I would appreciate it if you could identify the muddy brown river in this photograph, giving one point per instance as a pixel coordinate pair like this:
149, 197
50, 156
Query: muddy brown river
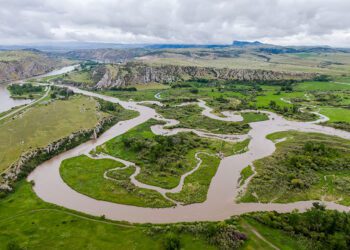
220, 203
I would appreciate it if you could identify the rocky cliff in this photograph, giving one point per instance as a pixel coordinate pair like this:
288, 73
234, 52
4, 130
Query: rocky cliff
29, 160
123, 75
16, 65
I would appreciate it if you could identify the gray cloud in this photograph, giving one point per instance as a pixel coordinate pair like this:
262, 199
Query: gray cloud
176, 21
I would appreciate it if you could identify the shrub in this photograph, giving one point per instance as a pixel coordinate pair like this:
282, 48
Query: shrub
172, 242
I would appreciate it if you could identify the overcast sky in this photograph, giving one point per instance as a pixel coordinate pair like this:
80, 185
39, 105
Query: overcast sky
286, 22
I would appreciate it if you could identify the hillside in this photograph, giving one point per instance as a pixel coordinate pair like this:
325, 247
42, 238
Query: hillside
122, 75
20, 64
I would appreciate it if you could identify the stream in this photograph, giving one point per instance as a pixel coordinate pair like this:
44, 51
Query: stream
220, 203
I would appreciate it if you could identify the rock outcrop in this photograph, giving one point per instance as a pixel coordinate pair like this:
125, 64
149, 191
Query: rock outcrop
29, 160
123, 75
17, 65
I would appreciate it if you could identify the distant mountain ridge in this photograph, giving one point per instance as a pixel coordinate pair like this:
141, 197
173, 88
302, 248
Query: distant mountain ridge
246, 43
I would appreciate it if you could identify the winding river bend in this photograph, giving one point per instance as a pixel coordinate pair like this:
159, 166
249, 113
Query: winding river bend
219, 205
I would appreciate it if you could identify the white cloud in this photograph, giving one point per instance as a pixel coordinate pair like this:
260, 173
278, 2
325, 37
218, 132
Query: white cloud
176, 21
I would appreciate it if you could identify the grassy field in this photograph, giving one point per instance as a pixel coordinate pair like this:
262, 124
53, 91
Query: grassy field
264, 100
142, 95
43, 124
85, 175
336, 114
321, 86
269, 237
79, 77
152, 86
29, 223
306, 166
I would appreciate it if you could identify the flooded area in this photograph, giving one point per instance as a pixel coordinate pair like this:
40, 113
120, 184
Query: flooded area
223, 190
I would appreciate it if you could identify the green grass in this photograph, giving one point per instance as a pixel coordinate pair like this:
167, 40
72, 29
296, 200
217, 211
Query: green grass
196, 185
31, 223
321, 86
245, 174
264, 100
163, 159
79, 77
336, 114
254, 117
294, 173
85, 175
157, 86
190, 117
43, 124
171, 161
276, 237
142, 95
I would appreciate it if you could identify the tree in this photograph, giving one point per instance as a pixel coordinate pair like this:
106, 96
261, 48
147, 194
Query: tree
272, 104
194, 91
172, 242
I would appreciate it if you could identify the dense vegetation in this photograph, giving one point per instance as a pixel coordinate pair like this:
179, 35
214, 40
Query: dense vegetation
326, 229
163, 159
29, 89
304, 167
190, 117
123, 89
60, 93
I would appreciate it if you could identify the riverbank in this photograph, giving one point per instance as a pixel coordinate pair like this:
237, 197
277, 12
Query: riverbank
222, 190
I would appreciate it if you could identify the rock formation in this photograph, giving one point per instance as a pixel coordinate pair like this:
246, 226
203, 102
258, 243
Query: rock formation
123, 75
